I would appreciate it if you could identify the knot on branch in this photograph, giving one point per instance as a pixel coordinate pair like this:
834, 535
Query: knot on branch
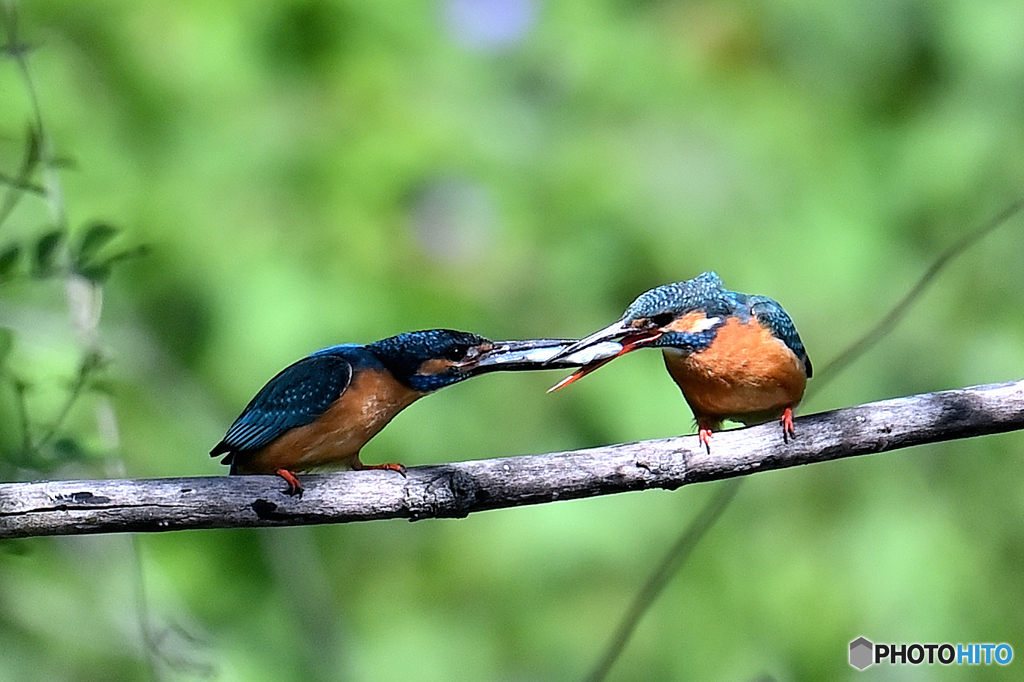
448, 493
81, 498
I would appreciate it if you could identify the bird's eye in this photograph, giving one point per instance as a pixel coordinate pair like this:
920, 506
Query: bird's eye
661, 319
456, 353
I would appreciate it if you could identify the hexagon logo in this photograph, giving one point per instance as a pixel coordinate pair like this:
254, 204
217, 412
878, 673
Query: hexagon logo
861, 653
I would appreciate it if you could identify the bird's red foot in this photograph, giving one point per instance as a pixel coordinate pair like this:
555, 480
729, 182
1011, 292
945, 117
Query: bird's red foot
704, 434
294, 487
787, 425
389, 466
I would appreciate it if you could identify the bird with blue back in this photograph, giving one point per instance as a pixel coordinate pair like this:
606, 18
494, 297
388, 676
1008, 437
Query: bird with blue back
734, 356
320, 411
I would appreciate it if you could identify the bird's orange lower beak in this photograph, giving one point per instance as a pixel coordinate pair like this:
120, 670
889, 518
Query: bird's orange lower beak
630, 342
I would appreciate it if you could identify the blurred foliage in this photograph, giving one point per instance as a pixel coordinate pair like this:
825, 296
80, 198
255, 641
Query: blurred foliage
310, 172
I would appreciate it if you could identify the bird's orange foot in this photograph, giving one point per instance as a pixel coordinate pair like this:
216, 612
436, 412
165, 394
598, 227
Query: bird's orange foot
704, 434
294, 487
390, 466
787, 425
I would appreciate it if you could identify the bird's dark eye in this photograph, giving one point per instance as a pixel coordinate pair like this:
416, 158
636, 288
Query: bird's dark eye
662, 319
456, 353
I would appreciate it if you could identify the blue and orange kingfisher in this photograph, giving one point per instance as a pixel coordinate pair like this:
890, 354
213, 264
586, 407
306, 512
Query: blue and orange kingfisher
734, 356
321, 410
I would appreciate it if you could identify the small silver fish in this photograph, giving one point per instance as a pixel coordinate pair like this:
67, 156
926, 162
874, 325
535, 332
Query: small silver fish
537, 354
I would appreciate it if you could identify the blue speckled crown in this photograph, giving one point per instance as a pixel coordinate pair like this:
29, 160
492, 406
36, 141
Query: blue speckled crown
678, 297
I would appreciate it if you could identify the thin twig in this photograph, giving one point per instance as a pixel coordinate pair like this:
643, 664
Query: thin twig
20, 389
21, 184
886, 324
90, 362
17, 51
671, 563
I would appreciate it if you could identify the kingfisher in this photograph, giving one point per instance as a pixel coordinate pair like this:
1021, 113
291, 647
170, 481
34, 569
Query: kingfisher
734, 356
321, 410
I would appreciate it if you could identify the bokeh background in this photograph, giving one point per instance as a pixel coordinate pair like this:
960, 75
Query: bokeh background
311, 172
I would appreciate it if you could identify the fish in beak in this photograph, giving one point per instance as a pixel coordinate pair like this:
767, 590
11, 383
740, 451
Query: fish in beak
632, 337
532, 354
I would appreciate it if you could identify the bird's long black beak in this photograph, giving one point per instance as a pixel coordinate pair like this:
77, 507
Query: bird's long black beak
612, 331
532, 354
630, 338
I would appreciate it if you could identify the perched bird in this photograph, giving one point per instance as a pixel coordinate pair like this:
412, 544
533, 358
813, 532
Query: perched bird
322, 409
734, 356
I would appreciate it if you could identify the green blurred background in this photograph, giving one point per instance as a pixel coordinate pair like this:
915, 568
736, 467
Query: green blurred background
309, 173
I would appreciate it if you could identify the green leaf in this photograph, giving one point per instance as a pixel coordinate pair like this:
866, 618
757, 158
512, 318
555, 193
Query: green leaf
47, 249
9, 258
6, 343
68, 449
95, 238
33, 151
99, 270
97, 273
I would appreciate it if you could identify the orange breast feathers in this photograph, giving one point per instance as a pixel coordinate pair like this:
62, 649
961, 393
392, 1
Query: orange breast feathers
745, 375
335, 438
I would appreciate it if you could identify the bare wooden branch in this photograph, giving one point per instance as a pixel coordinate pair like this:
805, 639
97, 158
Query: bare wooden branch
455, 490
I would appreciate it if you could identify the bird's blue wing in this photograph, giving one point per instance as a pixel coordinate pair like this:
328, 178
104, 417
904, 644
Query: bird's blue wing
295, 397
771, 315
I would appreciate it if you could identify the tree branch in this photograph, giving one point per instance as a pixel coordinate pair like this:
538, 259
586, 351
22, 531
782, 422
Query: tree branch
457, 489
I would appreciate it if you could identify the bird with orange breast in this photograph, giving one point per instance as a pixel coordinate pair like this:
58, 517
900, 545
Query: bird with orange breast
321, 410
734, 356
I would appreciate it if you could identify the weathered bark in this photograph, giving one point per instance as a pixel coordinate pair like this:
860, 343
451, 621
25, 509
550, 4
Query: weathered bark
455, 490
